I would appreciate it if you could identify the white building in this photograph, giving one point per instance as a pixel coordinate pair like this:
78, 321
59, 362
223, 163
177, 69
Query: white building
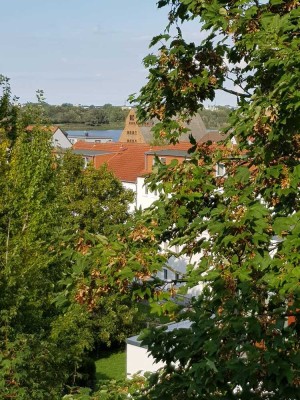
88, 137
138, 358
60, 138
131, 163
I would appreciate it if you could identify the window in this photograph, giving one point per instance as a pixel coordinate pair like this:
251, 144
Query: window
220, 169
86, 161
131, 117
165, 271
177, 276
163, 160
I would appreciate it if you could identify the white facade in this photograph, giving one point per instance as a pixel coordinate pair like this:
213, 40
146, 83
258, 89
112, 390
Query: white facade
89, 139
139, 359
59, 139
176, 267
131, 186
144, 196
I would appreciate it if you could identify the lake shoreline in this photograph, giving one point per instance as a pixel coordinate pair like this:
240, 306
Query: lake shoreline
82, 127
113, 134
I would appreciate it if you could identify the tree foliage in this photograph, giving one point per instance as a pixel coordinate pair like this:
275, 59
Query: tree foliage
51, 212
244, 338
81, 115
96, 199
216, 117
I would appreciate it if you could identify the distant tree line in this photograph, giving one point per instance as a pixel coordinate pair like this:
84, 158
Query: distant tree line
216, 118
67, 113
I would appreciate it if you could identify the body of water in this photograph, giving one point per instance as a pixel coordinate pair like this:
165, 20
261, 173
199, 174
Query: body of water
113, 133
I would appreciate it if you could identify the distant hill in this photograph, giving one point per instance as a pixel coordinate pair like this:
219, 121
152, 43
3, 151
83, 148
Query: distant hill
79, 116
71, 116
215, 118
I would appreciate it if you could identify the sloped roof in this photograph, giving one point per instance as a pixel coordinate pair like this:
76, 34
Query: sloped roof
49, 128
46, 128
87, 152
169, 152
126, 160
196, 128
213, 136
125, 164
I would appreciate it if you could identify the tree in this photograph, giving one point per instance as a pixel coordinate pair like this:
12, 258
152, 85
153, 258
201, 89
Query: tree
29, 269
8, 110
96, 211
49, 220
216, 118
70, 114
95, 198
244, 338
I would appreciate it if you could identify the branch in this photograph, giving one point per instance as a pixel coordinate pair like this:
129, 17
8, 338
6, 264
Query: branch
237, 84
245, 95
7, 243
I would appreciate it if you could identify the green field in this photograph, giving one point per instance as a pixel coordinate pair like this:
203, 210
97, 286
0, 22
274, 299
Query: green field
111, 366
83, 127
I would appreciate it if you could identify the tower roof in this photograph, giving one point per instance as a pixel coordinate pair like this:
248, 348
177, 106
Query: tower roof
143, 133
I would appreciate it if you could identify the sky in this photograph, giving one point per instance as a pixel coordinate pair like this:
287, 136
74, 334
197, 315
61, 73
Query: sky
80, 51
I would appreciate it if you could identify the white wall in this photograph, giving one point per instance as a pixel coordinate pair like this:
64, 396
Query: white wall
175, 264
131, 186
74, 139
144, 197
139, 361
59, 139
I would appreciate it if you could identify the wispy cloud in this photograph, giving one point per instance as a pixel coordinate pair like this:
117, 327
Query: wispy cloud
142, 38
100, 30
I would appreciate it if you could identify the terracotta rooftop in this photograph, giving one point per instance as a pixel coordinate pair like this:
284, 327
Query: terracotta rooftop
48, 128
213, 136
126, 160
195, 127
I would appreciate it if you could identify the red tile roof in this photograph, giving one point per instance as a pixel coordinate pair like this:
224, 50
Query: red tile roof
126, 160
48, 128
117, 146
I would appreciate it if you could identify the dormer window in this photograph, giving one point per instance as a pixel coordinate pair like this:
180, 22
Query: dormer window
165, 272
220, 169
163, 160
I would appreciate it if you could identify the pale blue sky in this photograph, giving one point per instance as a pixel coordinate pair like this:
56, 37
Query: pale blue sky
79, 51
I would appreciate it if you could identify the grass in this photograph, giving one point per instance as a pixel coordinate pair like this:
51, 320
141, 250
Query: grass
112, 365
83, 127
